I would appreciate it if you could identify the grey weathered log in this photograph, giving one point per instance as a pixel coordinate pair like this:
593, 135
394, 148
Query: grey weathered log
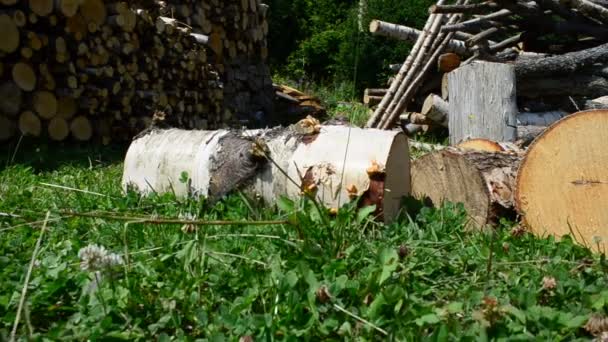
539, 119
590, 9
482, 102
382, 28
599, 103
568, 63
476, 22
584, 84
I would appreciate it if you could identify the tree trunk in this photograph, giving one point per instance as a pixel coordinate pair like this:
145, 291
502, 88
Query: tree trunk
335, 164
482, 102
562, 185
483, 181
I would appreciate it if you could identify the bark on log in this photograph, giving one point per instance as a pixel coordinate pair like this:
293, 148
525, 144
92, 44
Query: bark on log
566, 192
218, 162
539, 119
568, 63
582, 84
482, 181
482, 102
599, 103
382, 28
589, 9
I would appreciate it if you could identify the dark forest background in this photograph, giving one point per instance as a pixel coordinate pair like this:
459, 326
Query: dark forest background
318, 42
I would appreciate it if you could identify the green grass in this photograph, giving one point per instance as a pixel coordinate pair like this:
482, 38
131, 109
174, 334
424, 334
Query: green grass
321, 277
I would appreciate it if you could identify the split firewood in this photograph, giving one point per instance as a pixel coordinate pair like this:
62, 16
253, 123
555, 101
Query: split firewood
373, 176
565, 193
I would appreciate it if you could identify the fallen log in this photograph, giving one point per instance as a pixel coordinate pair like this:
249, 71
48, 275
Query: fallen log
334, 163
568, 63
576, 84
562, 187
382, 28
482, 181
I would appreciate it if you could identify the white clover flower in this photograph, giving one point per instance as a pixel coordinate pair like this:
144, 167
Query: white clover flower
92, 257
95, 258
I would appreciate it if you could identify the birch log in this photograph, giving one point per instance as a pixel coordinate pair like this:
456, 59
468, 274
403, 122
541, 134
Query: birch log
382, 28
562, 184
482, 181
482, 102
337, 162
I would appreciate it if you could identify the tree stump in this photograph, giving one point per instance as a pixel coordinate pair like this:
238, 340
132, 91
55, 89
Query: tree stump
562, 184
482, 181
482, 102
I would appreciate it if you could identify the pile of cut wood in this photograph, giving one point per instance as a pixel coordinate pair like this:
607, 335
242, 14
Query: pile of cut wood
94, 68
502, 78
558, 50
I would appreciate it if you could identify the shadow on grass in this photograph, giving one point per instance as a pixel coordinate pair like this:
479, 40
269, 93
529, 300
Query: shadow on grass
48, 156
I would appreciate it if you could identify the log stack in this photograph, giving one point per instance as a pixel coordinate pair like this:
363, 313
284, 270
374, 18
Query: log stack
99, 69
237, 31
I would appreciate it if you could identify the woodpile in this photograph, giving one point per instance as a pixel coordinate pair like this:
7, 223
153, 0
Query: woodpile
236, 31
557, 49
109, 69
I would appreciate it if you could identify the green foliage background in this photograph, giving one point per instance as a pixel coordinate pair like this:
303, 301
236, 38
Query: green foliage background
319, 40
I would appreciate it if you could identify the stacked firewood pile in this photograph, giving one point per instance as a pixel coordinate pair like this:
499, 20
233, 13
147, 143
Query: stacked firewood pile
236, 31
88, 68
557, 48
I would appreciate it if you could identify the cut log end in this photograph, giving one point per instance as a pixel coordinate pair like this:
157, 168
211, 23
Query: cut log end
29, 124
562, 186
10, 34
45, 104
58, 129
482, 181
81, 128
24, 76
